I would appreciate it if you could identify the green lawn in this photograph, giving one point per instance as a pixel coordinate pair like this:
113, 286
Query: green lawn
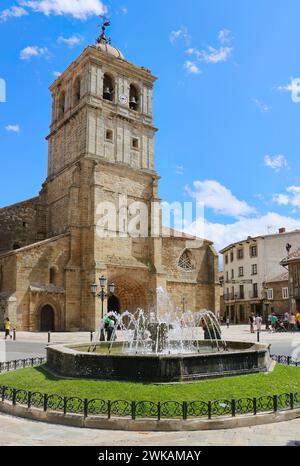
282, 380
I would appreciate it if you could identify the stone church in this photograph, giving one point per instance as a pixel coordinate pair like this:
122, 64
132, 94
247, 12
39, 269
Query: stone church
101, 147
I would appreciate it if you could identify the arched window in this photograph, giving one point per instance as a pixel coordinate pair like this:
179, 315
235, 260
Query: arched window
108, 88
76, 91
134, 98
186, 261
52, 276
61, 104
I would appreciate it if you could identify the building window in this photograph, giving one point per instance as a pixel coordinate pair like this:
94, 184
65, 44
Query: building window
227, 277
232, 273
240, 253
52, 276
135, 143
241, 271
226, 259
254, 269
255, 290
231, 257
253, 251
61, 105
270, 294
76, 91
108, 88
242, 292
109, 135
134, 98
186, 262
285, 293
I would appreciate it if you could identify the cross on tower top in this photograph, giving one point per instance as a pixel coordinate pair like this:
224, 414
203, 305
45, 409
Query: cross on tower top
102, 39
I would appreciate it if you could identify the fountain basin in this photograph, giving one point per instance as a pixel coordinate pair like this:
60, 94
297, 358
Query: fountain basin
240, 358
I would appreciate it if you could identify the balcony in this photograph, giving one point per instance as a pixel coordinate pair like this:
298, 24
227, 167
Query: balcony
234, 296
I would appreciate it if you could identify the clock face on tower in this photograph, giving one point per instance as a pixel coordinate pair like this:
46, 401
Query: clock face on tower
123, 99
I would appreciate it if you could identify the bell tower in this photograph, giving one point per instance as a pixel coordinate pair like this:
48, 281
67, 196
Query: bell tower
102, 109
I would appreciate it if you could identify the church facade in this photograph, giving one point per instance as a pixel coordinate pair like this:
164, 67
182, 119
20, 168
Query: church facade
101, 153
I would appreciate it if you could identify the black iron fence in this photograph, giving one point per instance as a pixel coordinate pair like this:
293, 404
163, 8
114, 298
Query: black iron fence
146, 409
287, 360
149, 409
21, 364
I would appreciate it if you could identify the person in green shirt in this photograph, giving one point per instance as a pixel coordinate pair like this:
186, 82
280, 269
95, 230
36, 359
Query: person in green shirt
274, 322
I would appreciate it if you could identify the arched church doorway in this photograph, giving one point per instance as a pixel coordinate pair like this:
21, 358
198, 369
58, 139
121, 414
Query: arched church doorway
113, 304
47, 319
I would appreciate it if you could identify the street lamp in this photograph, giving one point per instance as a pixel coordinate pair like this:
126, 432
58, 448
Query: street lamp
103, 295
236, 297
183, 302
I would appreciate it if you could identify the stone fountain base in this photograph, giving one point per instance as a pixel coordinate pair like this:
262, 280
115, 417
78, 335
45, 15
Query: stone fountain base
76, 362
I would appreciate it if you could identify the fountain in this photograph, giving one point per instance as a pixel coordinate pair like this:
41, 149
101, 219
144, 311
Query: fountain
160, 347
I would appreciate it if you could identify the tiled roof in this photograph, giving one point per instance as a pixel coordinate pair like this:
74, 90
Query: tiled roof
283, 277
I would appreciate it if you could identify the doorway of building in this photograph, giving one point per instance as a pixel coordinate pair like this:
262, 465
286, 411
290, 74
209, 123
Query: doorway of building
47, 319
113, 304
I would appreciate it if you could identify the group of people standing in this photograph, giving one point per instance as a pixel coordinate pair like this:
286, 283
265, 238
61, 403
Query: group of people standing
255, 322
107, 327
289, 322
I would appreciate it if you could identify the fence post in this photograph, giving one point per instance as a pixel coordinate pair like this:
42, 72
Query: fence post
91, 337
0, 367
209, 409
49, 337
24, 363
184, 410
14, 396
29, 400
292, 400
288, 360
233, 408
159, 411
65, 404
32, 362
86, 407
15, 364
275, 403
133, 410
3, 390
108, 409
254, 406
14, 334
45, 402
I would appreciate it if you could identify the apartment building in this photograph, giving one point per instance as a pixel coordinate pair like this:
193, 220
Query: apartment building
249, 268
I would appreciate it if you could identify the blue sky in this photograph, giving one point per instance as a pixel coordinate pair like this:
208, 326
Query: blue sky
226, 101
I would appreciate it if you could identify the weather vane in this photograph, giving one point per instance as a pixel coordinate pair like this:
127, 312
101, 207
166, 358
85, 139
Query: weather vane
102, 39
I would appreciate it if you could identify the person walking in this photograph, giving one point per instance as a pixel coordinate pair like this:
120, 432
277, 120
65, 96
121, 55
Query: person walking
268, 326
298, 320
251, 322
7, 328
274, 322
258, 323
286, 317
227, 322
292, 322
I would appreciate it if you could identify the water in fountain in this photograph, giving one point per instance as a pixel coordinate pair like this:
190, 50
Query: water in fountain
169, 333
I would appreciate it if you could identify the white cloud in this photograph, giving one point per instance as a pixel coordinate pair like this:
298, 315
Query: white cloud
213, 55
179, 170
276, 163
124, 10
214, 195
70, 41
291, 197
13, 128
225, 234
12, 12
33, 51
192, 67
57, 74
79, 9
224, 36
294, 88
181, 33
264, 108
